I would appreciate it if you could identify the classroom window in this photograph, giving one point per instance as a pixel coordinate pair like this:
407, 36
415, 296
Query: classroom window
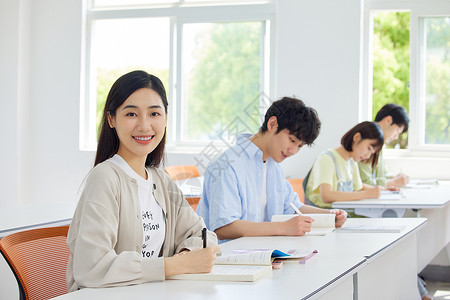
214, 61
390, 44
124, 45
408, 64
221, 77
435, 79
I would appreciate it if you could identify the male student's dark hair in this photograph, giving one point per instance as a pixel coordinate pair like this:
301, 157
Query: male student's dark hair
292, 114
398, 114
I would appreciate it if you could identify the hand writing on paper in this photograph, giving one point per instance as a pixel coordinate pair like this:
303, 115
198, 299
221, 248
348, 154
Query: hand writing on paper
341, 217
200, 260
298, 225
400, 180
373, 193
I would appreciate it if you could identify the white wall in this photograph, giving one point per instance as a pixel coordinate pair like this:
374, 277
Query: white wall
318, 58
9, 81
40, 83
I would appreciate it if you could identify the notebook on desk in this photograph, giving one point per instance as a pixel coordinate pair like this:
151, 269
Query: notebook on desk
228, 273
390, 195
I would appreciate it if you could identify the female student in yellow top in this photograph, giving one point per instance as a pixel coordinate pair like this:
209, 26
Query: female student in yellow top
335, 175
132, 224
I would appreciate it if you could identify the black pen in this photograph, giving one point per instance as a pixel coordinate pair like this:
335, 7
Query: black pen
204, 237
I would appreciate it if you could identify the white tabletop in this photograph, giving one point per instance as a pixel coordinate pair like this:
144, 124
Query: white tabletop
377, 243
340, 256
435, 197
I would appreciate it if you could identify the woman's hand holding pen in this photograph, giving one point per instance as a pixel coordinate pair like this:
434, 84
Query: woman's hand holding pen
200, 260
298, 225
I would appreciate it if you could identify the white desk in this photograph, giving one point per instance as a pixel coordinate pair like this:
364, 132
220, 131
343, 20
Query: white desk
391, 267
433, 204
432, 198
344, 265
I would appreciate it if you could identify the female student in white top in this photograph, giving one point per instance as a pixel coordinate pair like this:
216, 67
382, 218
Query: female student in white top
335, 175
132, 224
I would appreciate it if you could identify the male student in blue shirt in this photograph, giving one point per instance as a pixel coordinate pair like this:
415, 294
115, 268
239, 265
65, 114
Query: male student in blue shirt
245, 185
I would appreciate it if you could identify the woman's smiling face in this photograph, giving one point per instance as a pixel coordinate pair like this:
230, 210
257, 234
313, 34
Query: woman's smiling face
140, 124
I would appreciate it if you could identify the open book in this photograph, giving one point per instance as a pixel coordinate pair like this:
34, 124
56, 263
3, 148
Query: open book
264, 257
247, 265
323, 223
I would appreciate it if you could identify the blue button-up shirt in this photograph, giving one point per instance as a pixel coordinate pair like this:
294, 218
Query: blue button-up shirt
233, 185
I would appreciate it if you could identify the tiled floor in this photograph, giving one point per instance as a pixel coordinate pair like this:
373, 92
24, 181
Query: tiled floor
438, 290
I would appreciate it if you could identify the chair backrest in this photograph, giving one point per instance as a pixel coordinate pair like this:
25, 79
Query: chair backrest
193, 202
296, 184
38, 259
182, 172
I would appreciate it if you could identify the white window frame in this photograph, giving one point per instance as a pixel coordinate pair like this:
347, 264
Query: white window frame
179, 14
418, 9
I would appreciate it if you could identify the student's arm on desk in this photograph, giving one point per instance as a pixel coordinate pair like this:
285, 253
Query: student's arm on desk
398, 181
330, 196
239, 228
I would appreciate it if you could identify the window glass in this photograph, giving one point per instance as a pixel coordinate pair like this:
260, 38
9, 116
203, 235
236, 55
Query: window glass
222, 67
391, 52
437, 80
123, 3
123, 45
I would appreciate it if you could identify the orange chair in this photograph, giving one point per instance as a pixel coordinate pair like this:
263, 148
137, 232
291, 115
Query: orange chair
193, 202
296, 184
182, 172
38, 259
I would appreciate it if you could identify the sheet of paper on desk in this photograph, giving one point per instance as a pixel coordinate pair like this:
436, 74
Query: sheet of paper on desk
422, 183
417, 186
390, 195
432, 181
372, 228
